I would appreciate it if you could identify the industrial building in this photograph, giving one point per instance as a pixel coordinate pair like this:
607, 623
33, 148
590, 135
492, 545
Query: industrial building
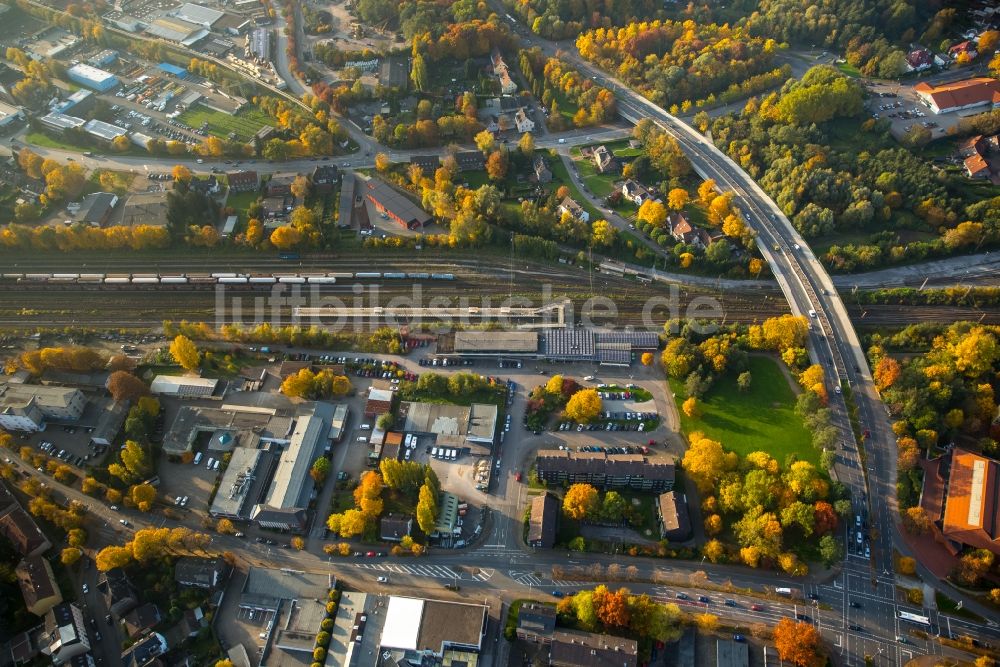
9, 115
200, 572
415, 628
461, 426
96, 208
92, 77
60, 122
287, 500
395, 205
608, 348
242, 484
961, 496
603, 470
295, 603
536, 622
145, 208
959, 95
26, 407
79, 103
183, 385
198, 15
233, 427
177, 30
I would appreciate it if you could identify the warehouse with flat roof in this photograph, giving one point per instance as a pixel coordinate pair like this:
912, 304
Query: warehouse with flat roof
92, 77
291, 489
433, 627
177, 30
183, 385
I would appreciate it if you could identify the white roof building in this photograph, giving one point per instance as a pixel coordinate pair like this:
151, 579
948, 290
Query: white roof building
183, 385
199, 14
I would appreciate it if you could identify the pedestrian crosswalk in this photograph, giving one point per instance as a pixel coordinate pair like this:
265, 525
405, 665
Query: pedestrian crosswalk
430, 571
533, 579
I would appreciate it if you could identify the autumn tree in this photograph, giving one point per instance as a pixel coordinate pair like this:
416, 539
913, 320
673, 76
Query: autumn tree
181, 173
798, 643
185, 353
496, 165
485, 142
705, 461
526, 144
382, 162
584, 406
320, 469
581, 502
691, 408
677, 199
973, 566
70, 555
124, 386
653, 213
647, 358
886, 372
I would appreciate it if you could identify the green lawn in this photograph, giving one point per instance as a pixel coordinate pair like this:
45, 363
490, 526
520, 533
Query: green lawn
241, 202
762, 419
849, 70
600, 184
46, 141
245, 124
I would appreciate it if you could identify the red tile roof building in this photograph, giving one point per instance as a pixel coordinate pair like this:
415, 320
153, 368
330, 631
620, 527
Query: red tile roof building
960, 95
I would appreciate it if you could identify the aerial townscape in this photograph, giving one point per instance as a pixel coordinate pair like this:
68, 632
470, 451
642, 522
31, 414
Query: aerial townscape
500, 333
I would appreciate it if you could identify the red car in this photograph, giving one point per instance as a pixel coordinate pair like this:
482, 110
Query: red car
371, 554
756, 607
518, 476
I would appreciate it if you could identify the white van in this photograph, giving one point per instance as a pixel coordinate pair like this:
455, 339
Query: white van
197, 458
366, 427
454, 454
215, 466
362, 438
434, 452
208, 466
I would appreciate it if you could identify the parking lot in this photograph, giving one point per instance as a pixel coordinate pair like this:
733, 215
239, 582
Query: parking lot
901, 106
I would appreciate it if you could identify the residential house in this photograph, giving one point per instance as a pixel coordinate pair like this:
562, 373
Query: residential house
277, 207
672, 511
324, 178
682, 230
976, 145
38, 585
635, 192
394, 527
243, 181
600, 469
977, 167
22, 532
208, 186
604, 161
571, 648
542, 173
542, 523
379, 402
427, 163
507, 85
145, 653
192, 622
536, 622
140, 619
522, 122
492, 124
573, 208
119, 595
64, 634
965, 48
280, 185
470, 160
919, 59
200, 572
505, 122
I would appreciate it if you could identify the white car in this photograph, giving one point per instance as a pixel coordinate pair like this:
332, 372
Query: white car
382, 580
85, 589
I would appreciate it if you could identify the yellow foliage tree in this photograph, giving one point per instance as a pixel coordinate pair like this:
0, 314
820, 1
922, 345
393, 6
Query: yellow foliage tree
690, 407
185, 353
580, 502
678, 198
584, 406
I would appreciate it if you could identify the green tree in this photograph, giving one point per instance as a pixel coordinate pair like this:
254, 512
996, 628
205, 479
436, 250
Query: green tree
320, 469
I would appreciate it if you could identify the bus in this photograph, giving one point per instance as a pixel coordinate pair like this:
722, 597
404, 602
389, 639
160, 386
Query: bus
914, 618
783, 591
